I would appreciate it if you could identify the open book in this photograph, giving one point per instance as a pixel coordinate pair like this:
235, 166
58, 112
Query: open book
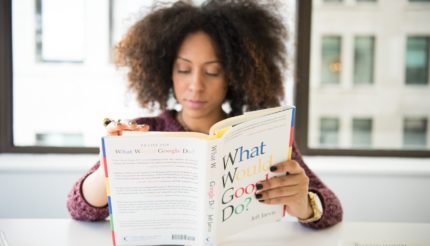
186, 188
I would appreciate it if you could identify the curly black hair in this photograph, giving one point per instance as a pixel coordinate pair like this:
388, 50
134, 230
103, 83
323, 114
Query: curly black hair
250, 43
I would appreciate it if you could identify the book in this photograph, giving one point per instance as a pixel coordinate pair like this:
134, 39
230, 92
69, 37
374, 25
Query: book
188, 188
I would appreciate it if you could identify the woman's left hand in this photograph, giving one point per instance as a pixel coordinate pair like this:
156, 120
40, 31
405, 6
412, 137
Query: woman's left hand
290, 189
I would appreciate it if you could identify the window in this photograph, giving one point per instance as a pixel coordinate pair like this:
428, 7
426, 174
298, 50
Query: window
361, 54
330, 60
31, 116
415, 133
58, 65
51, 19
364, 49
64, 81
329, 132
417, 60
362, 132
58, 82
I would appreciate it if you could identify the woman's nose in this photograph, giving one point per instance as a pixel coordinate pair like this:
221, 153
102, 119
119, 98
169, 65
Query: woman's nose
197, 82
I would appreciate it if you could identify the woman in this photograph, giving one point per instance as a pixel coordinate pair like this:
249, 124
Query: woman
221, 52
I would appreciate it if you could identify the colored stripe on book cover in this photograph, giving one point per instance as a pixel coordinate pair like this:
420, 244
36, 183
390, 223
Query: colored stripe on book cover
113, 238
293, 117
107, 187
218, 134
291, 137
109, 205
111, 220
290, 146
111, 223
103, 159
290, 149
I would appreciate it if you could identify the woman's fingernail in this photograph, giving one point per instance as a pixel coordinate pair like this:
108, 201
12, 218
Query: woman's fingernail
259, 186
258, 196
132, 123
287, 173
106, 121
273, 168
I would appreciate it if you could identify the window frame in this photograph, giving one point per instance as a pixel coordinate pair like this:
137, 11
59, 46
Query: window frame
303, 55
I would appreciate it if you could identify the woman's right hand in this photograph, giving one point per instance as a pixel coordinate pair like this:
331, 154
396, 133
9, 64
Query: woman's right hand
116, 128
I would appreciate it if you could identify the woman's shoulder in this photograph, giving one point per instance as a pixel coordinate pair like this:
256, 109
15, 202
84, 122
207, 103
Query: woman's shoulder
165, 121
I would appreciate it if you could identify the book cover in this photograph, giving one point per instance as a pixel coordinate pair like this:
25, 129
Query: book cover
187, 188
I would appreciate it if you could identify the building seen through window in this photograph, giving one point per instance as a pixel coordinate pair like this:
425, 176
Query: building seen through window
329, 132
53, 17
417, 59
330, 59
364, 50
414, 133
361, 133
369, 75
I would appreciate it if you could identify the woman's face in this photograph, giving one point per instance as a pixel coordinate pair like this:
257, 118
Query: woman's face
198, 77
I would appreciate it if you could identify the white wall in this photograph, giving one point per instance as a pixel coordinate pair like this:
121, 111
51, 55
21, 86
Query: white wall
371, 189
36, 186
378, 189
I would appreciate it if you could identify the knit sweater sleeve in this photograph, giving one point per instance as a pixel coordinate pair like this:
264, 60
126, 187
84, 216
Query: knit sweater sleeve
79, 208
332, 209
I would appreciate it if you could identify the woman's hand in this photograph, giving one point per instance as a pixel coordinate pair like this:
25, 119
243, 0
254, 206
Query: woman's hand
116, 128
94, 186
290, 189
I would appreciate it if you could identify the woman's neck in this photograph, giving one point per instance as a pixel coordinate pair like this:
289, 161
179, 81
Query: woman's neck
200, 124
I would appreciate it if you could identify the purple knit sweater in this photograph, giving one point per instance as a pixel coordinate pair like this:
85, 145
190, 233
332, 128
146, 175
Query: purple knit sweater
79, 208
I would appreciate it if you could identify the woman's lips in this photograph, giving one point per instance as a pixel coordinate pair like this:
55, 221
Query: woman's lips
195, 104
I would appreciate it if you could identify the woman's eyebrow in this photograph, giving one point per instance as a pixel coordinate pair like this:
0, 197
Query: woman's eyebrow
187, 60
210, 62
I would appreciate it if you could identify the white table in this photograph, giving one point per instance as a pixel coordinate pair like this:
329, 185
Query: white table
44, 232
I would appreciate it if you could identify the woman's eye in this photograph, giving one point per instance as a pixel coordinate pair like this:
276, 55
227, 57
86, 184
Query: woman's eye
183, 71
212, 73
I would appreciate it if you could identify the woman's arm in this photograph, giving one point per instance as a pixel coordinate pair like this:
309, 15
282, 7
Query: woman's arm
332, 209
94, 188
95, 208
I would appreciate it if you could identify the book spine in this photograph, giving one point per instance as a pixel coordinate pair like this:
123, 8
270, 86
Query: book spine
104, 163
209, 237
